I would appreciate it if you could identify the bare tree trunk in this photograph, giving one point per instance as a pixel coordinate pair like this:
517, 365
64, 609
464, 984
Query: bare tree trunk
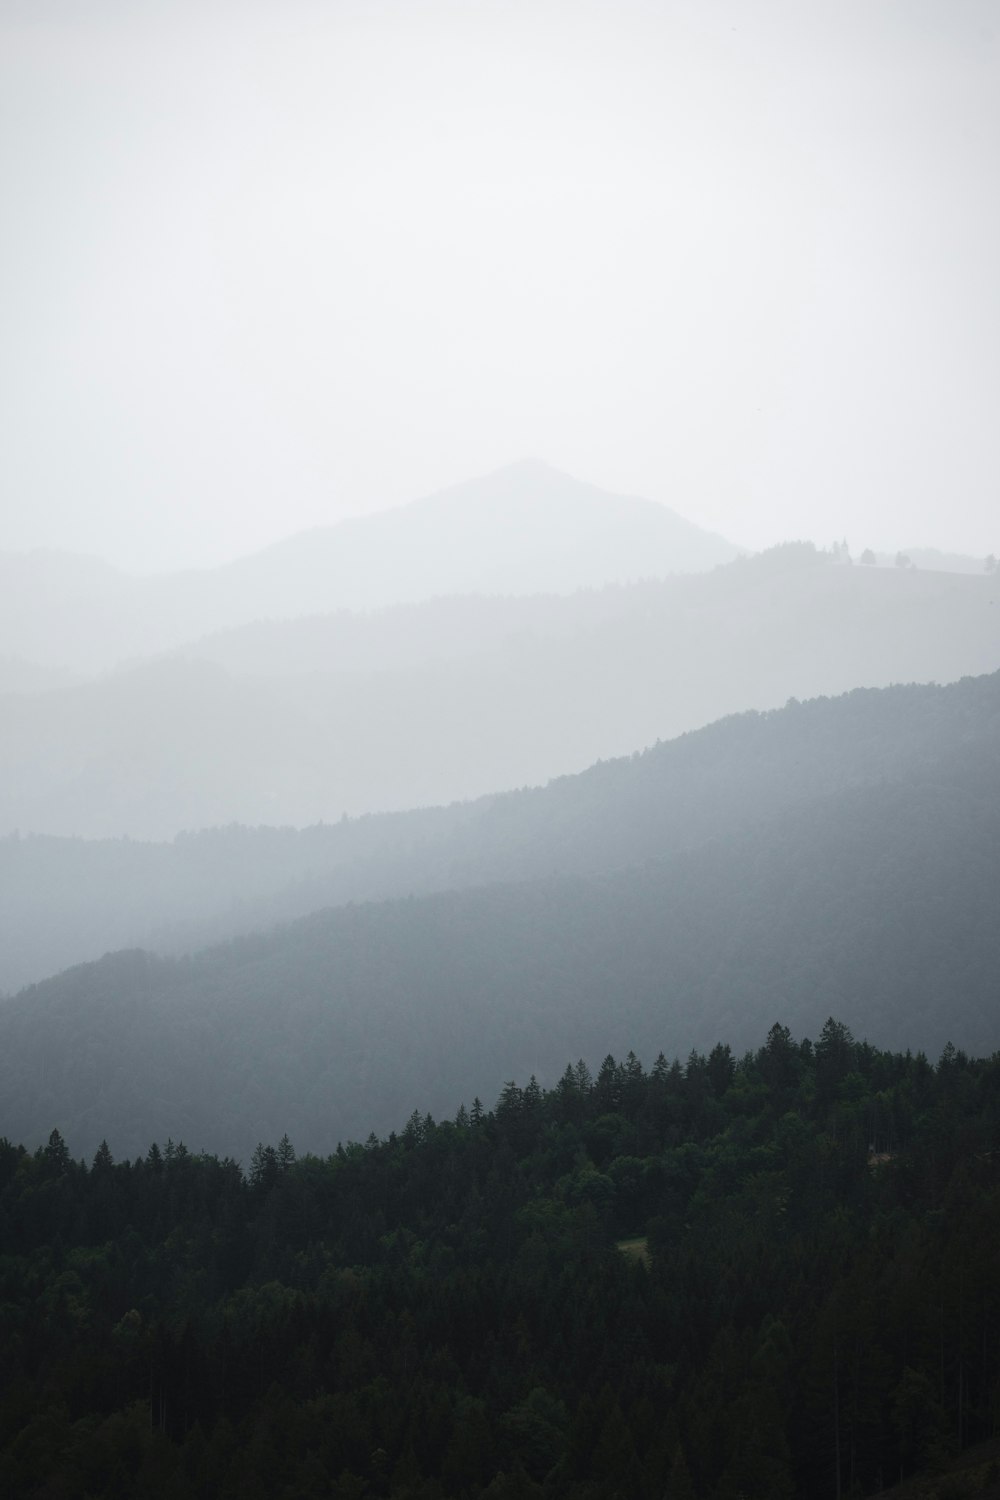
836, 1414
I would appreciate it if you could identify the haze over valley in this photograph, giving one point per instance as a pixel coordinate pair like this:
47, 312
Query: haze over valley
601, 756
301, 760
834, 857
525, 529
297, 721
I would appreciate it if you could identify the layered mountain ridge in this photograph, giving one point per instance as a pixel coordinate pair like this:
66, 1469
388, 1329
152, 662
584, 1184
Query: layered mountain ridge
525, 529
298, 722
69, 900
867, 890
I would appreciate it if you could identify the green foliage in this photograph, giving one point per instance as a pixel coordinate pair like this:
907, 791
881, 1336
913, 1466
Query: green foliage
445, 1313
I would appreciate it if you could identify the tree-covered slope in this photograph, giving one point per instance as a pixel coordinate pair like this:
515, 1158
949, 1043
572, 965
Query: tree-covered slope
763, 1276
878, 904
62, 901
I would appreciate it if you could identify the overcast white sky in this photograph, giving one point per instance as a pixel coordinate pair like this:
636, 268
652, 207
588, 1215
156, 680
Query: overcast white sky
262, 266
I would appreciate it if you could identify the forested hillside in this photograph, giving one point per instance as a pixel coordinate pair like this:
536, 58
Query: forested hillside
200, 740
767, 1276
878, 903
63, 901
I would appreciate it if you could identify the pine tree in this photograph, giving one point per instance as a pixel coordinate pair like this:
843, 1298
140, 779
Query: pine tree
56, 1153
103, 1160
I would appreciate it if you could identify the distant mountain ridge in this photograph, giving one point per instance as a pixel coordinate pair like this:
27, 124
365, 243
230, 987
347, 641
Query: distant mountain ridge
873, 899
526, 529
67, 900
300, 722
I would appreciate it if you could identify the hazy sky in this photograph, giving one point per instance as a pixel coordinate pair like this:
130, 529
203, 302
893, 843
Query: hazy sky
262, 266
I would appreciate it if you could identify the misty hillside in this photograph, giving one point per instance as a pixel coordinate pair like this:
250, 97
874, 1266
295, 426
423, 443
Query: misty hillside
192, 742
526, 529
684, 609
406, 636
938, 560
877, 904
65, 900
20, 676
866, 887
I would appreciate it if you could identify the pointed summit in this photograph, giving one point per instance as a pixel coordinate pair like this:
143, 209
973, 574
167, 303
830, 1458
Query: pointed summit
524, 529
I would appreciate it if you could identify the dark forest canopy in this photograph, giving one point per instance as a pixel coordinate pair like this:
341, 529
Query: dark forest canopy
804, 1301
66, 900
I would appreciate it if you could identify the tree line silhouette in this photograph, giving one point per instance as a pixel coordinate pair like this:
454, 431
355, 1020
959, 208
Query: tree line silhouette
763, 1275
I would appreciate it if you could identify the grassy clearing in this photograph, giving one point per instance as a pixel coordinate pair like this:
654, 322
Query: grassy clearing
638, 1249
